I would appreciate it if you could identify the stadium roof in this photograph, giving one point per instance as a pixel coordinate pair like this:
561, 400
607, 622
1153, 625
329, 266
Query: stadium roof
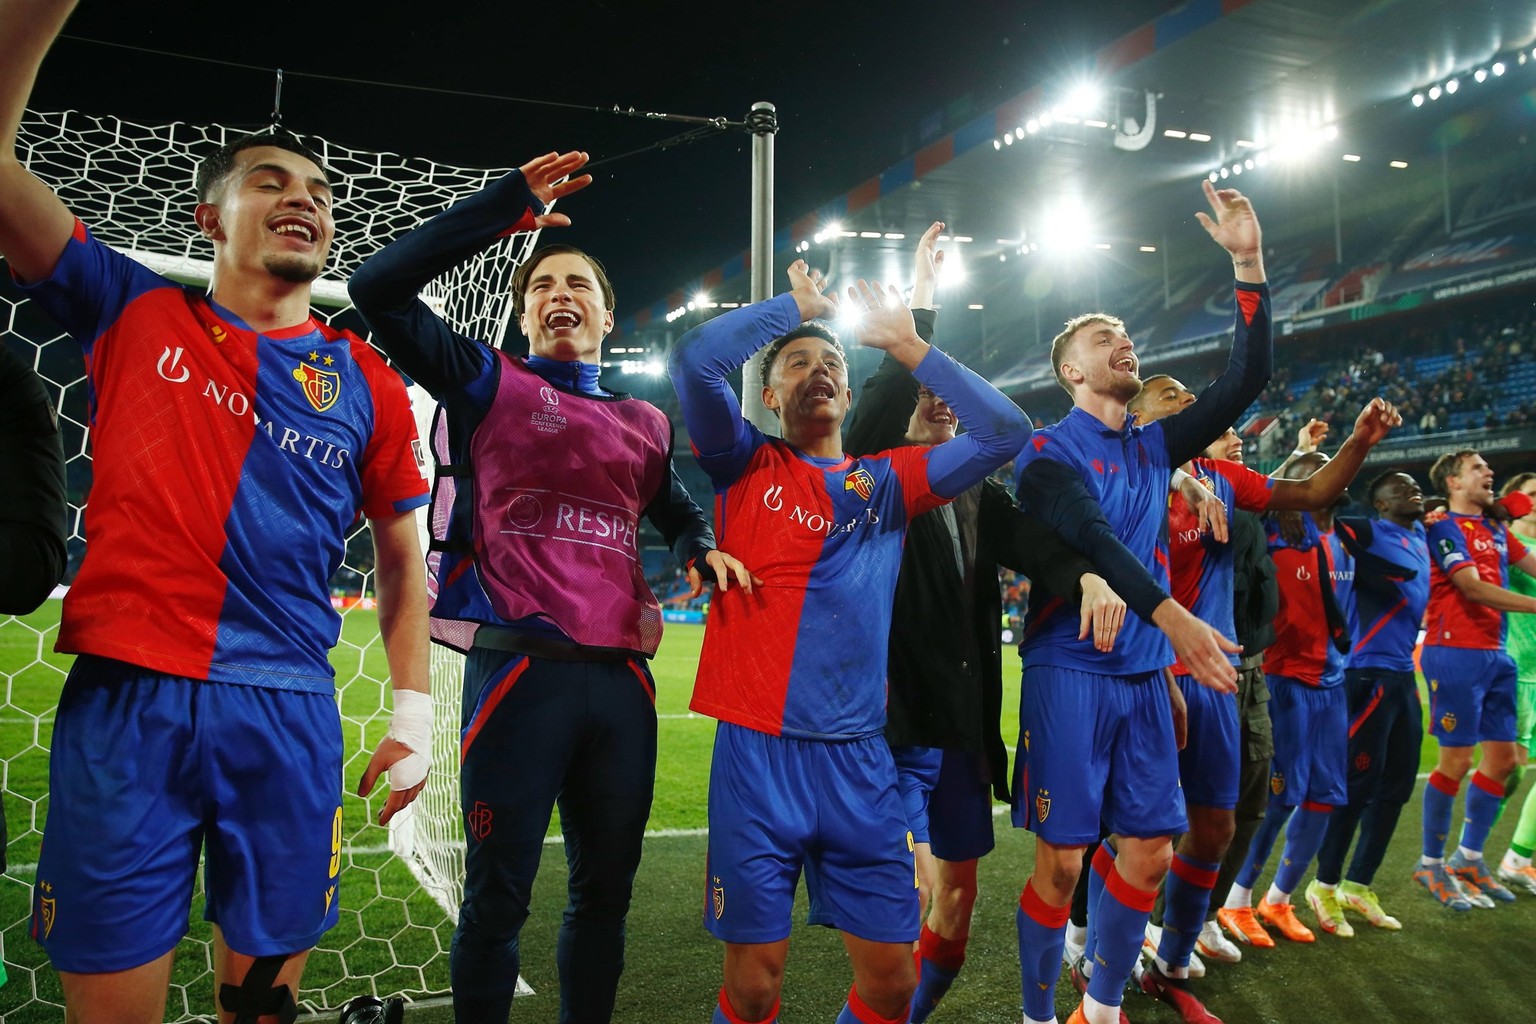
1278, 89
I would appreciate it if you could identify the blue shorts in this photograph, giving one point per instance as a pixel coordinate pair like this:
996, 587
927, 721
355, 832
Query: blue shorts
1096, 747
960, 808
1311, 743
1209, 765
778, 805
1471, 695
146, 771
917, 772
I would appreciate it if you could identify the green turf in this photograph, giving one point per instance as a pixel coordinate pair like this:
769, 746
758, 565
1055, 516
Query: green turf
672, 964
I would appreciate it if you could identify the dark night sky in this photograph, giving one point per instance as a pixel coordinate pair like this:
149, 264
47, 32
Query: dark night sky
857, 87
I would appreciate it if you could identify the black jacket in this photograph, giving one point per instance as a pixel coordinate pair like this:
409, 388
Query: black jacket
946, 666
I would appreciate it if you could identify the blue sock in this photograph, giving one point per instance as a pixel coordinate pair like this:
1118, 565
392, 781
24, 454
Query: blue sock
1098, 870
1263, 844
1439, 795
938, 964
1302, 840
1186, 898
1042, 935
1484, 798
1123, 912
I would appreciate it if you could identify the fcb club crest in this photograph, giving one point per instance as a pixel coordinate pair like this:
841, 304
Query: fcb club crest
717, 896
1277, 783
861, 483
1448, 721
1042, 804
479, 821
47, 909
320, 387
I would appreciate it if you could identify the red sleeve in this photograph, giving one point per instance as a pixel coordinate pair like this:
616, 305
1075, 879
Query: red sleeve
394, 466
1250, 487
910, 463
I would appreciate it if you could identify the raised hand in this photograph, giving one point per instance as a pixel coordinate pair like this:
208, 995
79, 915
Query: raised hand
1235, 227
1376, 420
808, 288
1310, 436
926, 264
548, 177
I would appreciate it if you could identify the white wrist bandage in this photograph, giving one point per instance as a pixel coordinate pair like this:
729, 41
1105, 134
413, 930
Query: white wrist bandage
411, 724
1177, 480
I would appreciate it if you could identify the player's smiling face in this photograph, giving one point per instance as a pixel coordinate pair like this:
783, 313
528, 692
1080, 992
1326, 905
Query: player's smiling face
1105, 358
272, 214
1401, 496
1227, 448
808, 383
933, 421
564, 315
1473, 482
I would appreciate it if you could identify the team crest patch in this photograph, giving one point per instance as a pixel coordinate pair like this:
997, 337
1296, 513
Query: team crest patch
1042, 805
47, 913
860, 482
717, 897
320, 387
1362, 761
478, 821
1277, 783
1448, 722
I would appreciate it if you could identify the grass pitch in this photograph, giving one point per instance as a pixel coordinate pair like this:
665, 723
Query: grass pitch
1474, 966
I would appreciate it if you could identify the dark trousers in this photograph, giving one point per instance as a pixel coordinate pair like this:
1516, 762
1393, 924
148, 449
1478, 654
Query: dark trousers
539, 733
1257, 746
1386, 730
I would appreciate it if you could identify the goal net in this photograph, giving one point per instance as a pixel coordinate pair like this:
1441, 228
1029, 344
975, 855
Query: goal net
400, 887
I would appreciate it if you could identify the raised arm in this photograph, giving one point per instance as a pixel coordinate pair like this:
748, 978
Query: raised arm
996, 428
1319, 490
34, 224
1236, 229
386, 288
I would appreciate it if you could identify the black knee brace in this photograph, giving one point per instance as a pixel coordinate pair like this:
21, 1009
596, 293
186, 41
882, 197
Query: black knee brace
258, 996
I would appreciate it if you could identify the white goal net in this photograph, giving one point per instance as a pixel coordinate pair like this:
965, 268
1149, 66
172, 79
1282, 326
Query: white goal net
132, 184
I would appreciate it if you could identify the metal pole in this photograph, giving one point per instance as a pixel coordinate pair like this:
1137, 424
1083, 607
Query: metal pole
1445, 185
1167, 287
763, 123
1338, 226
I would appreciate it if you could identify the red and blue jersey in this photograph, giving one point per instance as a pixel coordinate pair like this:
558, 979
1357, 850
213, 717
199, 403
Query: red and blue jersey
1391, 590
227, 468
1310, 623
1457, 543
804, 654
1202, 568
1341, 571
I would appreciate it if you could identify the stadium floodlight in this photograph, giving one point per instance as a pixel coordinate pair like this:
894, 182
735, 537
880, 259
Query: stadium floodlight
895, 236
1214, 176
1262, 159
834, 228
848, 234
1147, 248
1237, 168
1247, 144
1045, 119
1248, 164
1331, 132
1083, 98
1008, 138
1064, 225
654, 368
869, 234
1451, 86
1434, 92
1199, 137
1224, 172
1353, 158
1174, 133
997, 143
1018, 132
1093, 122
700, 301
1032, 125
1418, 99
1480, 76
975, 305
1399, 164
964, 238
1498, 68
